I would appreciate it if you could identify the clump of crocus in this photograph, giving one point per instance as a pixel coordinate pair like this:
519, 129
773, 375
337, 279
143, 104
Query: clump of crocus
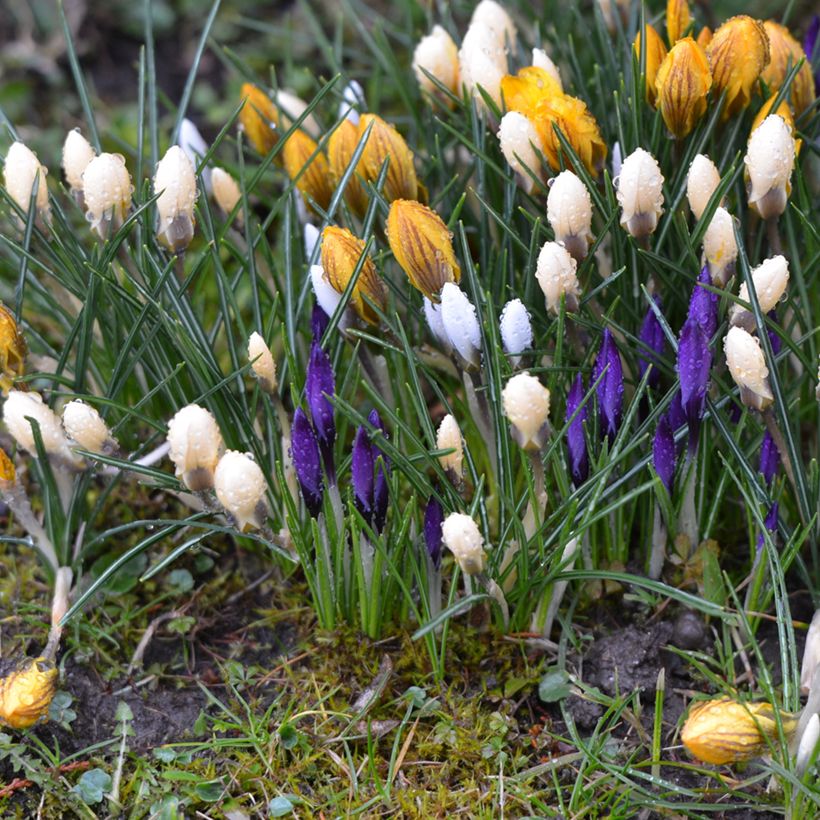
13, 350
21, 172
462, 537
516, 329
520, 144
77, 154
702, 181
720, 247
195, 446
308, 168
770, 279
527, 405
107, 193
555, 272
435, 60
653, 339
307, 462
682, 85
608, 373
655, 55
747, 366
640, 193
785, 53
448, 438
576, 415
175, 182
26, 692
423, 246
85, 427
225, 191
769, 164
458, 315
262, 363
240, 487
569, 212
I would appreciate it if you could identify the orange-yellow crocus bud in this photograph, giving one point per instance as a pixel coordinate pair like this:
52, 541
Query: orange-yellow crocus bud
259, 118
704, 37
26, 692
385, 142
786, 53
655, 55
678, 19
308, 168
682, 84
724, 730
523, 91
423, 246
737, 53
12, 350
341, 252
340, 149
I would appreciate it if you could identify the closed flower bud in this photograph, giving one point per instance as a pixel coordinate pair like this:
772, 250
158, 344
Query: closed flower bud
195, 446
652, 337
663, 452
291, 109
640, 193
682, 83
433, 519
807, 744
85, 427
225, 191
769, 165
107, 193
704, 37
701, 183
786, 53
423, 246
195, 148
432, 313
341, 253
436, 56
448, 437
703, 305
17, 410
569, 212
482, 63
262, 364
26, 692
555, 272
678, 19
307, 462
725, 731
720, 247
576, 437
385, 143
655, 55
13, 350
240, 487
462, 537
608, 372
516, 329
527, 406
770, 277
783, 111
340, 149
540, 59
694, 367
175, 182
738, 52
8, 473
327, 297
20, 171
460, 323
352, 103
308, 169
519, 141
77, 153
748, 368
493, 17
811, 654
259, 118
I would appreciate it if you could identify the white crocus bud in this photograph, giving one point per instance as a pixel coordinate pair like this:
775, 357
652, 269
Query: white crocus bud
240, 487
436, 55
811, 654
326, 295
519, 141
460, 323
353, 102
195, 446
720, 248
640, 193
482, 61
432, 313
701, 183
495, 18
262, 364
20, 171
77, 153
225, 190
516, 329
195, 148
540, 59
291, 108
175, 182
747, 366
617, 160
17, 410
769, 165
313, 238
462, 537
569, 212
448, 437
807, 744
107, 193
85, 427
770, 278
555, 272
527, 406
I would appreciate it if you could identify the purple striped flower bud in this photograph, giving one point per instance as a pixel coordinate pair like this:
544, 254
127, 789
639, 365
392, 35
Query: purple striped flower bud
433, 519
769, 459
694, 365
380, 494
703, 306
610, 389
319, 320
576, 441
304, 450
319, 387
663, 452
362, 474
651, 334
770, 523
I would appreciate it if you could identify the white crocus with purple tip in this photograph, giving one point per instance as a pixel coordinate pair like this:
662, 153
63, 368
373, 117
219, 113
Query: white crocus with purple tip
460, 323
516, 329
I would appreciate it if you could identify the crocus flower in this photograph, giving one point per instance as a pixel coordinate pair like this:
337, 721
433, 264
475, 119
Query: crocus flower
640, 193
240, 486
26, 692
769, 163
462, 537
436, 55
307, 462
15, 350
652, 336
380, 497
225, 190
319, 321
175, 185
384, 143
527, 405
770, 524
747, 366
569, 212
682, 85
520, 144
458, 316
610, 388
769, 458
340, 149
516, 329
703, 305
107, 193
77, 153
678, 18
20, 170
786, 52
655, 55
694, 365
308, 169
701, 183
576, 440
320, 385
675, 413
433, 519
362, 473
663, 452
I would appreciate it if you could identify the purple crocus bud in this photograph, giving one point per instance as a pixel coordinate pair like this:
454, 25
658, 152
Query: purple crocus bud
675, 414
769, 459
651, 334
362, 474
610, 388
319, 386
770, 523
774, 338
576, 441
809, 43
319, 320
694, 365
703, 306
304, 450
663, 452
380, 495
433, 519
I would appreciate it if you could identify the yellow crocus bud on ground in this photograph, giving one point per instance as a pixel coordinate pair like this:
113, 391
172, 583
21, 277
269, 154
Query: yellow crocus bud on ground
259, 118
448, 437
747, 367
555, 272
720, 247
655, 55
308, 168
770, 278
769, 164
527, 406
20, 171
569, 212
107, 193
341, 252
175, 182
462, 537
725, 731
519, 140
386, 142
26, 692
786, 53
436, 55
77, 153
738, 52
195, 446
678, 19
640, 193
262, 363
682, 83
13, 350
240, 487
423, 246
701, 183
340, 149
225, 190
542, 60
85, 427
